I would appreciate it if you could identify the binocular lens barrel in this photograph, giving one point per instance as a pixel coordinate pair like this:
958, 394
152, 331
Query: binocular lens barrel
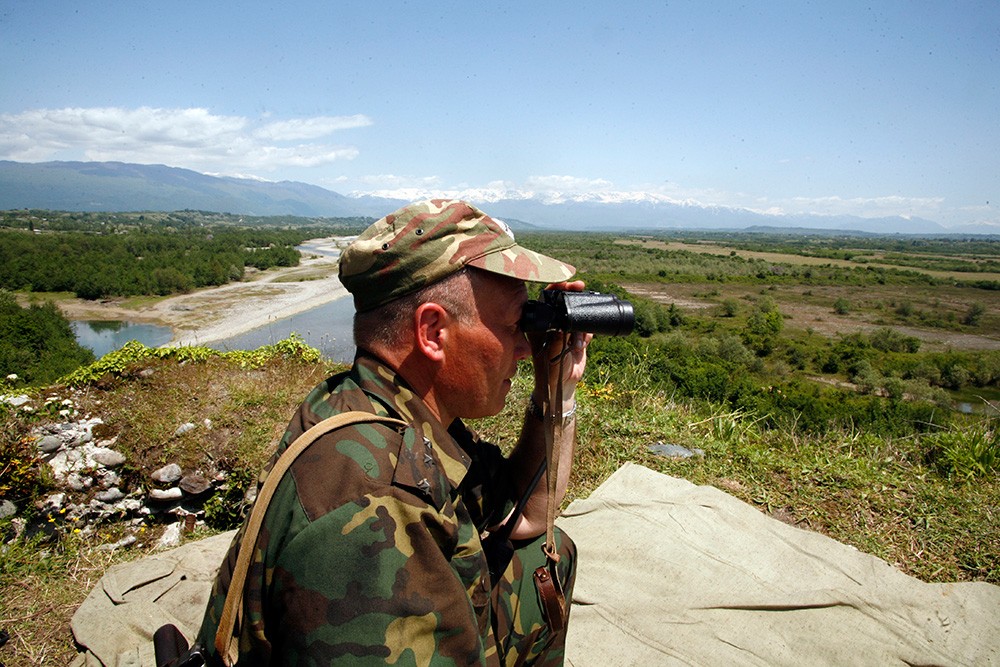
587, 312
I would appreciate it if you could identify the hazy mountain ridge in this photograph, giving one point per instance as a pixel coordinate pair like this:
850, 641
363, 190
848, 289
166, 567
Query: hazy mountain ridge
117, 186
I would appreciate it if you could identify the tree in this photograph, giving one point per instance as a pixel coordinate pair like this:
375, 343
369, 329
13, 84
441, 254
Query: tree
37, 343
763, 326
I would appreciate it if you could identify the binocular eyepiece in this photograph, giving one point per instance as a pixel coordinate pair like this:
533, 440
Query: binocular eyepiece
585, 312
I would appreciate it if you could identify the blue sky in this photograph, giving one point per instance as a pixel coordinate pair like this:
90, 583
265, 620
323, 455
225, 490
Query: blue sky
864, 108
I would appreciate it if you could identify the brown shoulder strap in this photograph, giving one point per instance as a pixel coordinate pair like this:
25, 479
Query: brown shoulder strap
226, 643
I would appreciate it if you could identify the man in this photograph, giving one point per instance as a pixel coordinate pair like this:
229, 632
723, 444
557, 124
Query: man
371, 551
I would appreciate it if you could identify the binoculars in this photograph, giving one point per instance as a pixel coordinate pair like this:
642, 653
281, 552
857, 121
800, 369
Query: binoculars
585, 312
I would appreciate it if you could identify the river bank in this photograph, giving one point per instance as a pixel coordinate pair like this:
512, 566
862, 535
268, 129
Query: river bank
220, 313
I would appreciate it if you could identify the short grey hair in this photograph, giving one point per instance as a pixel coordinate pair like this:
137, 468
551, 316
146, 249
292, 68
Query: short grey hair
388, 325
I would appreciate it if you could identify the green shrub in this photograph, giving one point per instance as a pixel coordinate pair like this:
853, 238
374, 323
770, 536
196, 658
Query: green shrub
970, 452
974, 314
37, 343
20, 468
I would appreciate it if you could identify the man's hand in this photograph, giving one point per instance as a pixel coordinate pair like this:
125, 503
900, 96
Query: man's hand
547, 352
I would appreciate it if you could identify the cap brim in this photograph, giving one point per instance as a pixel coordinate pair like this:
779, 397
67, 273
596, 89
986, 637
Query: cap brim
518, 262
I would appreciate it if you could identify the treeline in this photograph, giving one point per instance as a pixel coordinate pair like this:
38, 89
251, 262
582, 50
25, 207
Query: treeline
979, 254
104, 222
95, 266
37, 345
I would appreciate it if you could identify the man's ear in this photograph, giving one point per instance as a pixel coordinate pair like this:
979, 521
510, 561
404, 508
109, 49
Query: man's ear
430, 322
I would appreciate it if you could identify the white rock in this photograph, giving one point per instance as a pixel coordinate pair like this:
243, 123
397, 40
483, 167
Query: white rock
49, 444
15, 401
54, 501
124, 542
77, 482
111, 495
171, 537
168, 474
173, 493
108, 458
108, 478
184, 428
129, 505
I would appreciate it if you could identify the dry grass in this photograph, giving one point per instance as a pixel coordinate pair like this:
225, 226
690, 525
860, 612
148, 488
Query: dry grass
38, 604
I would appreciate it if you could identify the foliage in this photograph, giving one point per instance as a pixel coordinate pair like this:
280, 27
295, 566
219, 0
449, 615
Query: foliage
763, 326
121, 362
37, 344
155, 262
20, 467
38, 220
974, 315
966, 452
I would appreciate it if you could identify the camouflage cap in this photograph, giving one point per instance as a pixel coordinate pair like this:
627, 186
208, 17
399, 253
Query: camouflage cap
427, 241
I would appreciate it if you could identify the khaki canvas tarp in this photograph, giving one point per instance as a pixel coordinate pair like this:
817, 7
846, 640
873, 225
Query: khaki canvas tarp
669, 574
676, 574
115, 624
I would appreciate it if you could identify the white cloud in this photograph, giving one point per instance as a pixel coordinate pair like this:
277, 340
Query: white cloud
193, 138
868, 207
310, 128
864, 207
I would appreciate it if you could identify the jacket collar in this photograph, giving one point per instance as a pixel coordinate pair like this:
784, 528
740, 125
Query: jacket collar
384, 385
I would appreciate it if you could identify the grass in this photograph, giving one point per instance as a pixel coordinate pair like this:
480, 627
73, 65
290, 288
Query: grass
900, 499
907, 500
876, 260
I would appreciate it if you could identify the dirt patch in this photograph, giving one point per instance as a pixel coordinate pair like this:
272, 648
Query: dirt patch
667, 294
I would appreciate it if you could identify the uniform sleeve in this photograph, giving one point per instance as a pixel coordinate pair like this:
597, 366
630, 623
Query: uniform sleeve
387, 578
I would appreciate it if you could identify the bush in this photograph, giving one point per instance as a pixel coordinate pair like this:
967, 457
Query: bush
37, 343
890, 340
20, 468
974, 314
763, 326
970, 453
729, 308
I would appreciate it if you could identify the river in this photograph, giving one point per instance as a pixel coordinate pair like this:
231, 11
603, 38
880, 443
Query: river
328, 328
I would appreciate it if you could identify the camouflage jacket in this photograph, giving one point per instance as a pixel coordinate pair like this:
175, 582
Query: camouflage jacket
370, 550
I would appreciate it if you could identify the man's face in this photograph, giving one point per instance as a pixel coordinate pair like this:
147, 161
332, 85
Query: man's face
484, 351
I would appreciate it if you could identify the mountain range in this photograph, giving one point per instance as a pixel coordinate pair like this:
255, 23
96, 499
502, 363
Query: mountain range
117, 186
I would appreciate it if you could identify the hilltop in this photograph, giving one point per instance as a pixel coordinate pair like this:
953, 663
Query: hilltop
216, 417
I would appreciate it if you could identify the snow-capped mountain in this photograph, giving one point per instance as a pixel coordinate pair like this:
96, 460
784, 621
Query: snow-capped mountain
115, 186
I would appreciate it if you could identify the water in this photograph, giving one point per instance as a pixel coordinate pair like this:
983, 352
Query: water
103, 336
328, 328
